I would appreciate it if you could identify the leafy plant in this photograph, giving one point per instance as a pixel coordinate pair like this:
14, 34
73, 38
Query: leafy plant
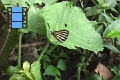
116, 70
78, 26
88, 38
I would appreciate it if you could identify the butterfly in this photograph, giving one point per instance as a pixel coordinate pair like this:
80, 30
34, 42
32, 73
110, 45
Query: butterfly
60, 35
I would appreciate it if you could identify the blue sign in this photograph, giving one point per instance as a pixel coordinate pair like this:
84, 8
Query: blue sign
17, 17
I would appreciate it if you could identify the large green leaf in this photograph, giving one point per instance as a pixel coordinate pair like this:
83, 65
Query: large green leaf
35, 22
81, 33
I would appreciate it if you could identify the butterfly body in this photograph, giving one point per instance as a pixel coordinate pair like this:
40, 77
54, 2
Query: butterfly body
60, 35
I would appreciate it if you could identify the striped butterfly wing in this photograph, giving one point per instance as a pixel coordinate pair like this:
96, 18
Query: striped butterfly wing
61, 35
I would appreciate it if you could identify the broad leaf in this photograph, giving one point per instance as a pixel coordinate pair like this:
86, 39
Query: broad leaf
81, 33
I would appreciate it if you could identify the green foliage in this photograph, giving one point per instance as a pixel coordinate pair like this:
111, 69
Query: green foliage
113, 34
61, 64
116, 70
12, 40
112, 27
26, 71
85, 35
111, 47
12, 70
35, 70
29, 72
46, 58
26, 65
95, 77
107, 18
17, 77
49, 2
35, 22
103, 5
81, 32
112, 31
51, 70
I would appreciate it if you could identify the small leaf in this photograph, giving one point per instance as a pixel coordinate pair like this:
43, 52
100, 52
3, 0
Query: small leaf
111, 3
26, 66
63, 55
113, 34
116, 70
99, 29
46, 58
108, 18
45, 64
35, 70
12, 70
118, 41
56, 78
93, 11
112, 27
17, 77
61, 64
100, 1
111, 47
51, 70
29, 75
95, 77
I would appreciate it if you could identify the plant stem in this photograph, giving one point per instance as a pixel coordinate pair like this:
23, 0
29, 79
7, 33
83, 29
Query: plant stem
19, 49
78, 73
52, 48
40, 57
84, 51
